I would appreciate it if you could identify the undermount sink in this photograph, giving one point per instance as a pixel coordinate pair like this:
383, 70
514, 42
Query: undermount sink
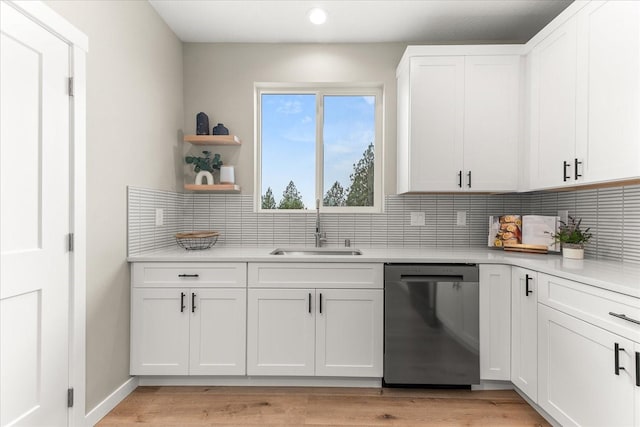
315, 251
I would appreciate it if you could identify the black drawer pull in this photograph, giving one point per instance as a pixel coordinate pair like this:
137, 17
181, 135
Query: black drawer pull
469, 176
576, 164
320, 303
188, 275
182, 307
527, 291
616, 359
309, 302
460, 179
624, 317
193, 302
637, 369
565, 165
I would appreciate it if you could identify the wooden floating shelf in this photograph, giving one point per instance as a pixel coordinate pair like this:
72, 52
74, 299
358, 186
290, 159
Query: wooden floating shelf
227, 188
213, 139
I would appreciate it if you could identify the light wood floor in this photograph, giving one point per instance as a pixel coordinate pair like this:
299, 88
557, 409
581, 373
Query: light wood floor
285, 406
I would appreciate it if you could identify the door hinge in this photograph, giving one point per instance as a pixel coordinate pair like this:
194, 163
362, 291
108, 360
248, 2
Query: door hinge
70, 86
70, 242
70, 398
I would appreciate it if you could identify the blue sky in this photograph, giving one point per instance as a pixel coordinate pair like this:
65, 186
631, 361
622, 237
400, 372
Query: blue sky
288, 140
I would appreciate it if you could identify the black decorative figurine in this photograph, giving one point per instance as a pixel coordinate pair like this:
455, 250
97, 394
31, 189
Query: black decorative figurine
220, 130
202, 124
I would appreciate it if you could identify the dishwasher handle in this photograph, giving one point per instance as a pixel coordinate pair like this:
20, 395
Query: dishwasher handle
430, 279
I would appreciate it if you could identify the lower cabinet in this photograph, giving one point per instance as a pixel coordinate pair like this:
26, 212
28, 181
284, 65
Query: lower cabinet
524, 331
188, 331
587, 375
321, 332
495, 322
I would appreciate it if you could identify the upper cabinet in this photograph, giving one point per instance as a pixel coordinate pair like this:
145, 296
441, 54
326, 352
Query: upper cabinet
458, 122
585, 98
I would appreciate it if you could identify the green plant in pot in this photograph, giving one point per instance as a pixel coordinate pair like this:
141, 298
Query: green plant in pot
572, 238
204, 167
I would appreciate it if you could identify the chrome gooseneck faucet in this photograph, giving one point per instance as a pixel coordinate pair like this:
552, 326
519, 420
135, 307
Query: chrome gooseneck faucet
321, 237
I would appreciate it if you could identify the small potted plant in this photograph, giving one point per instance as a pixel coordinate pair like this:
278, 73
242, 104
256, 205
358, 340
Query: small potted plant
204, 167
572, 238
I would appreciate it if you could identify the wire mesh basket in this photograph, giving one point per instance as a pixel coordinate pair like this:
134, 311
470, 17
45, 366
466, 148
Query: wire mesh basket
198, 240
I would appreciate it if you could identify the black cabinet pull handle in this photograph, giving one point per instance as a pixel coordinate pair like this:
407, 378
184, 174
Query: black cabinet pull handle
460, 179
616, 358
638, 369
309, 302
469, 179
624, 317
527, 291
320, 303
193, 302
575, 168
564, 171
188, 275
182, 307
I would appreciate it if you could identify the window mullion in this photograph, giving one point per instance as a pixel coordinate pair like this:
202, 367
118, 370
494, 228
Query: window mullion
319, 145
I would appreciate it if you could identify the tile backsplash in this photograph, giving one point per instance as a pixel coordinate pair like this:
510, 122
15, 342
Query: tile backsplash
613, 214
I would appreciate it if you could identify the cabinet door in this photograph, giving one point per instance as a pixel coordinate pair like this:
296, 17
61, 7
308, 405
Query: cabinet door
280, 332
159, 332
524, 331
437, 113
495, 322
349, 332
553, 107
609, 90
218, 331
491, 123
578, 383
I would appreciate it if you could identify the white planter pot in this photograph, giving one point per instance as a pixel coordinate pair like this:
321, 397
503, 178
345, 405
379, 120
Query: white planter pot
204, 175
573, 253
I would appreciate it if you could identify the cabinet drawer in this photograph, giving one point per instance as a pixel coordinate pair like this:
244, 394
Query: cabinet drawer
189, 274
315, 275
591, 304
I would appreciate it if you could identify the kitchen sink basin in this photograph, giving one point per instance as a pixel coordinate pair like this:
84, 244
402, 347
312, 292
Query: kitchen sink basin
315, 251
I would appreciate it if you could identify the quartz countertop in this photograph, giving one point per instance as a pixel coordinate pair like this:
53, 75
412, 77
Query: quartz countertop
619, 277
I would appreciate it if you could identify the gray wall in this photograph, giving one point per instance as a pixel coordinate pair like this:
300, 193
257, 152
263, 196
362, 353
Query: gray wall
219, 80
134, 114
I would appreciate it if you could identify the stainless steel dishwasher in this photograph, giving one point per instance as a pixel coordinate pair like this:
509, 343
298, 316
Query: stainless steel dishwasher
431, 324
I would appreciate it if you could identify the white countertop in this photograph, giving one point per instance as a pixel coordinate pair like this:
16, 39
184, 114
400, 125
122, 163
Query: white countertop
614, 276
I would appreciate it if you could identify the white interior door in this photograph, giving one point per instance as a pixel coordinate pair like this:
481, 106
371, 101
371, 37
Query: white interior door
34, 288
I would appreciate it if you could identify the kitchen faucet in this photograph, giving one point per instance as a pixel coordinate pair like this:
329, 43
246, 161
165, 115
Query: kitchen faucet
321, 237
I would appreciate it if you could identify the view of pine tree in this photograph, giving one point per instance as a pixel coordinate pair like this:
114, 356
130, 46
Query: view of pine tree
291, 198
336, 196
360, 192
268, 202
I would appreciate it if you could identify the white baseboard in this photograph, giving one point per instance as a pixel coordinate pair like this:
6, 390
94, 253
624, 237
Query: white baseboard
104, 407
259, 381
493, 385
538, 409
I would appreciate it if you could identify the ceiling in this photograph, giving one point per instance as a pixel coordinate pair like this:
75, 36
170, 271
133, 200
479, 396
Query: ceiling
359, 21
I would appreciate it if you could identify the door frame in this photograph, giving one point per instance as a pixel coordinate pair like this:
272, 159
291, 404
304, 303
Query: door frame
78, 43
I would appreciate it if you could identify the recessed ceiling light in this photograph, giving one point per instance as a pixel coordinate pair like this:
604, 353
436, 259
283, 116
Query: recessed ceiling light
317, 16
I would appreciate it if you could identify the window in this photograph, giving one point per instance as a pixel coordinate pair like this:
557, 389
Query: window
319, 144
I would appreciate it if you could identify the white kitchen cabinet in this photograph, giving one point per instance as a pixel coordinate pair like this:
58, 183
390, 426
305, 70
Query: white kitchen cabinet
458, 123
524, 331
280, 332
579, 384
608, 90
349, 332
585, 98
321, 332
217, 331
495, 322
197, 329
315, 319
553, 108
159, 332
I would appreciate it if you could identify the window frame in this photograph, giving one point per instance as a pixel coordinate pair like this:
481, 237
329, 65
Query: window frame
320, 90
